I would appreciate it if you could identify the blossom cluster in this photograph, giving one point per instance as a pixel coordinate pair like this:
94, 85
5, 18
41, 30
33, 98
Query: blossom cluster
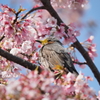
90, 47
43, 86
19, 39
72, 4
20, 34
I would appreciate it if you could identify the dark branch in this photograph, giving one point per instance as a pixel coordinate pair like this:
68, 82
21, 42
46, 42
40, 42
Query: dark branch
28, 56
33, 9
77, 44
2, 38
18, 60
79, 63
15, 20
88, 60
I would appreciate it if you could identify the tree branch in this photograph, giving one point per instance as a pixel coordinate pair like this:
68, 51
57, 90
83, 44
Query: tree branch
2, 38
77, 44
18, 60
80, 63
33, 9
15, 20
88, 60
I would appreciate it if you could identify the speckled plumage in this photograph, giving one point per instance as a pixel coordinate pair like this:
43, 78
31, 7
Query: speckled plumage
54, 54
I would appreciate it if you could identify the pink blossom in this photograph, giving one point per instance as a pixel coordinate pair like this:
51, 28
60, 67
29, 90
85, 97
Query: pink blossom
6, 9
16, 69
82, 87
26, 47
70, 77
9, 30
82, 66
8, 44
60, 32
28, 86
15, 51
20, 38
90, 39
80, 77
89, 78
69, 89
98, 95
51, 22
32, 33
90, 47
35, 57
68, 3
77, 33
8, 74
11, 89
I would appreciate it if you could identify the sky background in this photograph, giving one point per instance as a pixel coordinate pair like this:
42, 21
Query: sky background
93, 13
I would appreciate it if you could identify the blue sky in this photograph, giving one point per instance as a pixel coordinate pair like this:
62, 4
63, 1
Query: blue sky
94, 14
91, 14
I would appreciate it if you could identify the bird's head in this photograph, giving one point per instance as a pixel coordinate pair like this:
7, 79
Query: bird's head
48, 40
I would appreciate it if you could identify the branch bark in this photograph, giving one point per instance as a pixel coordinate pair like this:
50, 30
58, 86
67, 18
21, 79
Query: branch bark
89, 61
79, 63
2, 38
18, 60
33, 9
77, 44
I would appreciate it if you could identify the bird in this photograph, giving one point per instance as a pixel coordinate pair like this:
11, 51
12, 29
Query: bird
54, 57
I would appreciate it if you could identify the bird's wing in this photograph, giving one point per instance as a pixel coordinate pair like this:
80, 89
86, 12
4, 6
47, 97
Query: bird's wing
56, 56
68, 62
49, 58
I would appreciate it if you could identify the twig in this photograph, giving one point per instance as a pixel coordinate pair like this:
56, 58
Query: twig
33, 9
15, 20
77, 44
2, 38
80, 63
28, 56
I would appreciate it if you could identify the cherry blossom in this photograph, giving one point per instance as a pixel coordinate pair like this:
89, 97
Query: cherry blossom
72, 33
7, 75
8, 44
26, 47
90, 47
98, 95
34, 57
20, 40
51, 22
28, 86
15, 51
68, 3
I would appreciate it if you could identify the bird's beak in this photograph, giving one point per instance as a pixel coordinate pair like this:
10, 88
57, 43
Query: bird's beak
38, 41
43, 42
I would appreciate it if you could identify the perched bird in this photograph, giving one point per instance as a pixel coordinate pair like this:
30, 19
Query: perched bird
54, 57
